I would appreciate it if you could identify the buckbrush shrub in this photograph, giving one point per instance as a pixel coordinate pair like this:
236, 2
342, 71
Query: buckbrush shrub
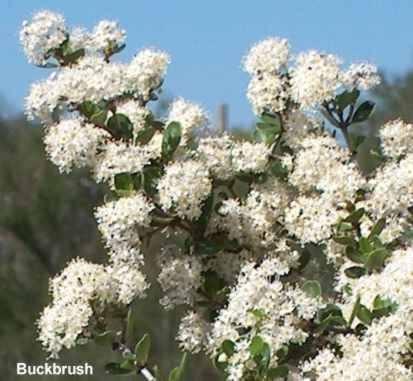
242, 219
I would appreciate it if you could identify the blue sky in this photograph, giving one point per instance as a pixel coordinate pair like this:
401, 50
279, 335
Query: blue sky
207, 39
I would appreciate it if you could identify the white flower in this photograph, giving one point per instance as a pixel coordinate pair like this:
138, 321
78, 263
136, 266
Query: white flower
180, 277
322, 164
129, 282
72, 143
216, 154
311, 219
192, 332
146, 71
60, 325
396, 138
45, 32
121, 158
184, 187
268, 93
268, 56
250, 157
107, 34
315, 78
190, 116
118, 220
363, 76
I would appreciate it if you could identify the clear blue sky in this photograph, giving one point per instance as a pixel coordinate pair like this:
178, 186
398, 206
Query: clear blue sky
207, 39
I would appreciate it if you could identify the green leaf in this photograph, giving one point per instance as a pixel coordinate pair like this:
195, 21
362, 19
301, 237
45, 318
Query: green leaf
178, 372
150, 178
228, 347
171, 140
268, 132
270, 119
345, 240
347, 98
364, 315
120, 126
354, 311
115, 368
363, 112
258, 313
124, 182
383, 307
142, 349
145, 135
353, 254
265, 359
355, 272
365, 246
73, 57
205, 213
256, 346
356, 141
280, 371
312, 288
375, 260
278, 170
355, 216
213, 283
377, 228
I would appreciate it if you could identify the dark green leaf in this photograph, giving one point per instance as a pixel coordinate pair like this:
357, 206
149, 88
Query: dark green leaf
356, 141
345, 240
312, 288
115, 368
355, 216
280, 371
347, 98
73, 57
256, 346
376, 258
120, 126
355, 272
353, 254
364, 315
228, 347
150, 178
365, 246
171, 140
268, 133
377, 228
124, 182
213, 283
142, 349
363, 112
177, 373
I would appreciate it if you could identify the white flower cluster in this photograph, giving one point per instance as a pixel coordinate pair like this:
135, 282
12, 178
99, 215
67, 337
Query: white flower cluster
235, 218
180, 277
184, 187
190, 116
314, 78
397, 138
106, 34
72, 143
45, 32
323, 165
260, 305
118, 220
378, 354
80, 292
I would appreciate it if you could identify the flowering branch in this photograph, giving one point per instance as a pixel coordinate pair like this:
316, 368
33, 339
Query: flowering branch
242, 223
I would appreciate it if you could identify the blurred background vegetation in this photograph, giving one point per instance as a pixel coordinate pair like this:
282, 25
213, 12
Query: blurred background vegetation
46, 219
